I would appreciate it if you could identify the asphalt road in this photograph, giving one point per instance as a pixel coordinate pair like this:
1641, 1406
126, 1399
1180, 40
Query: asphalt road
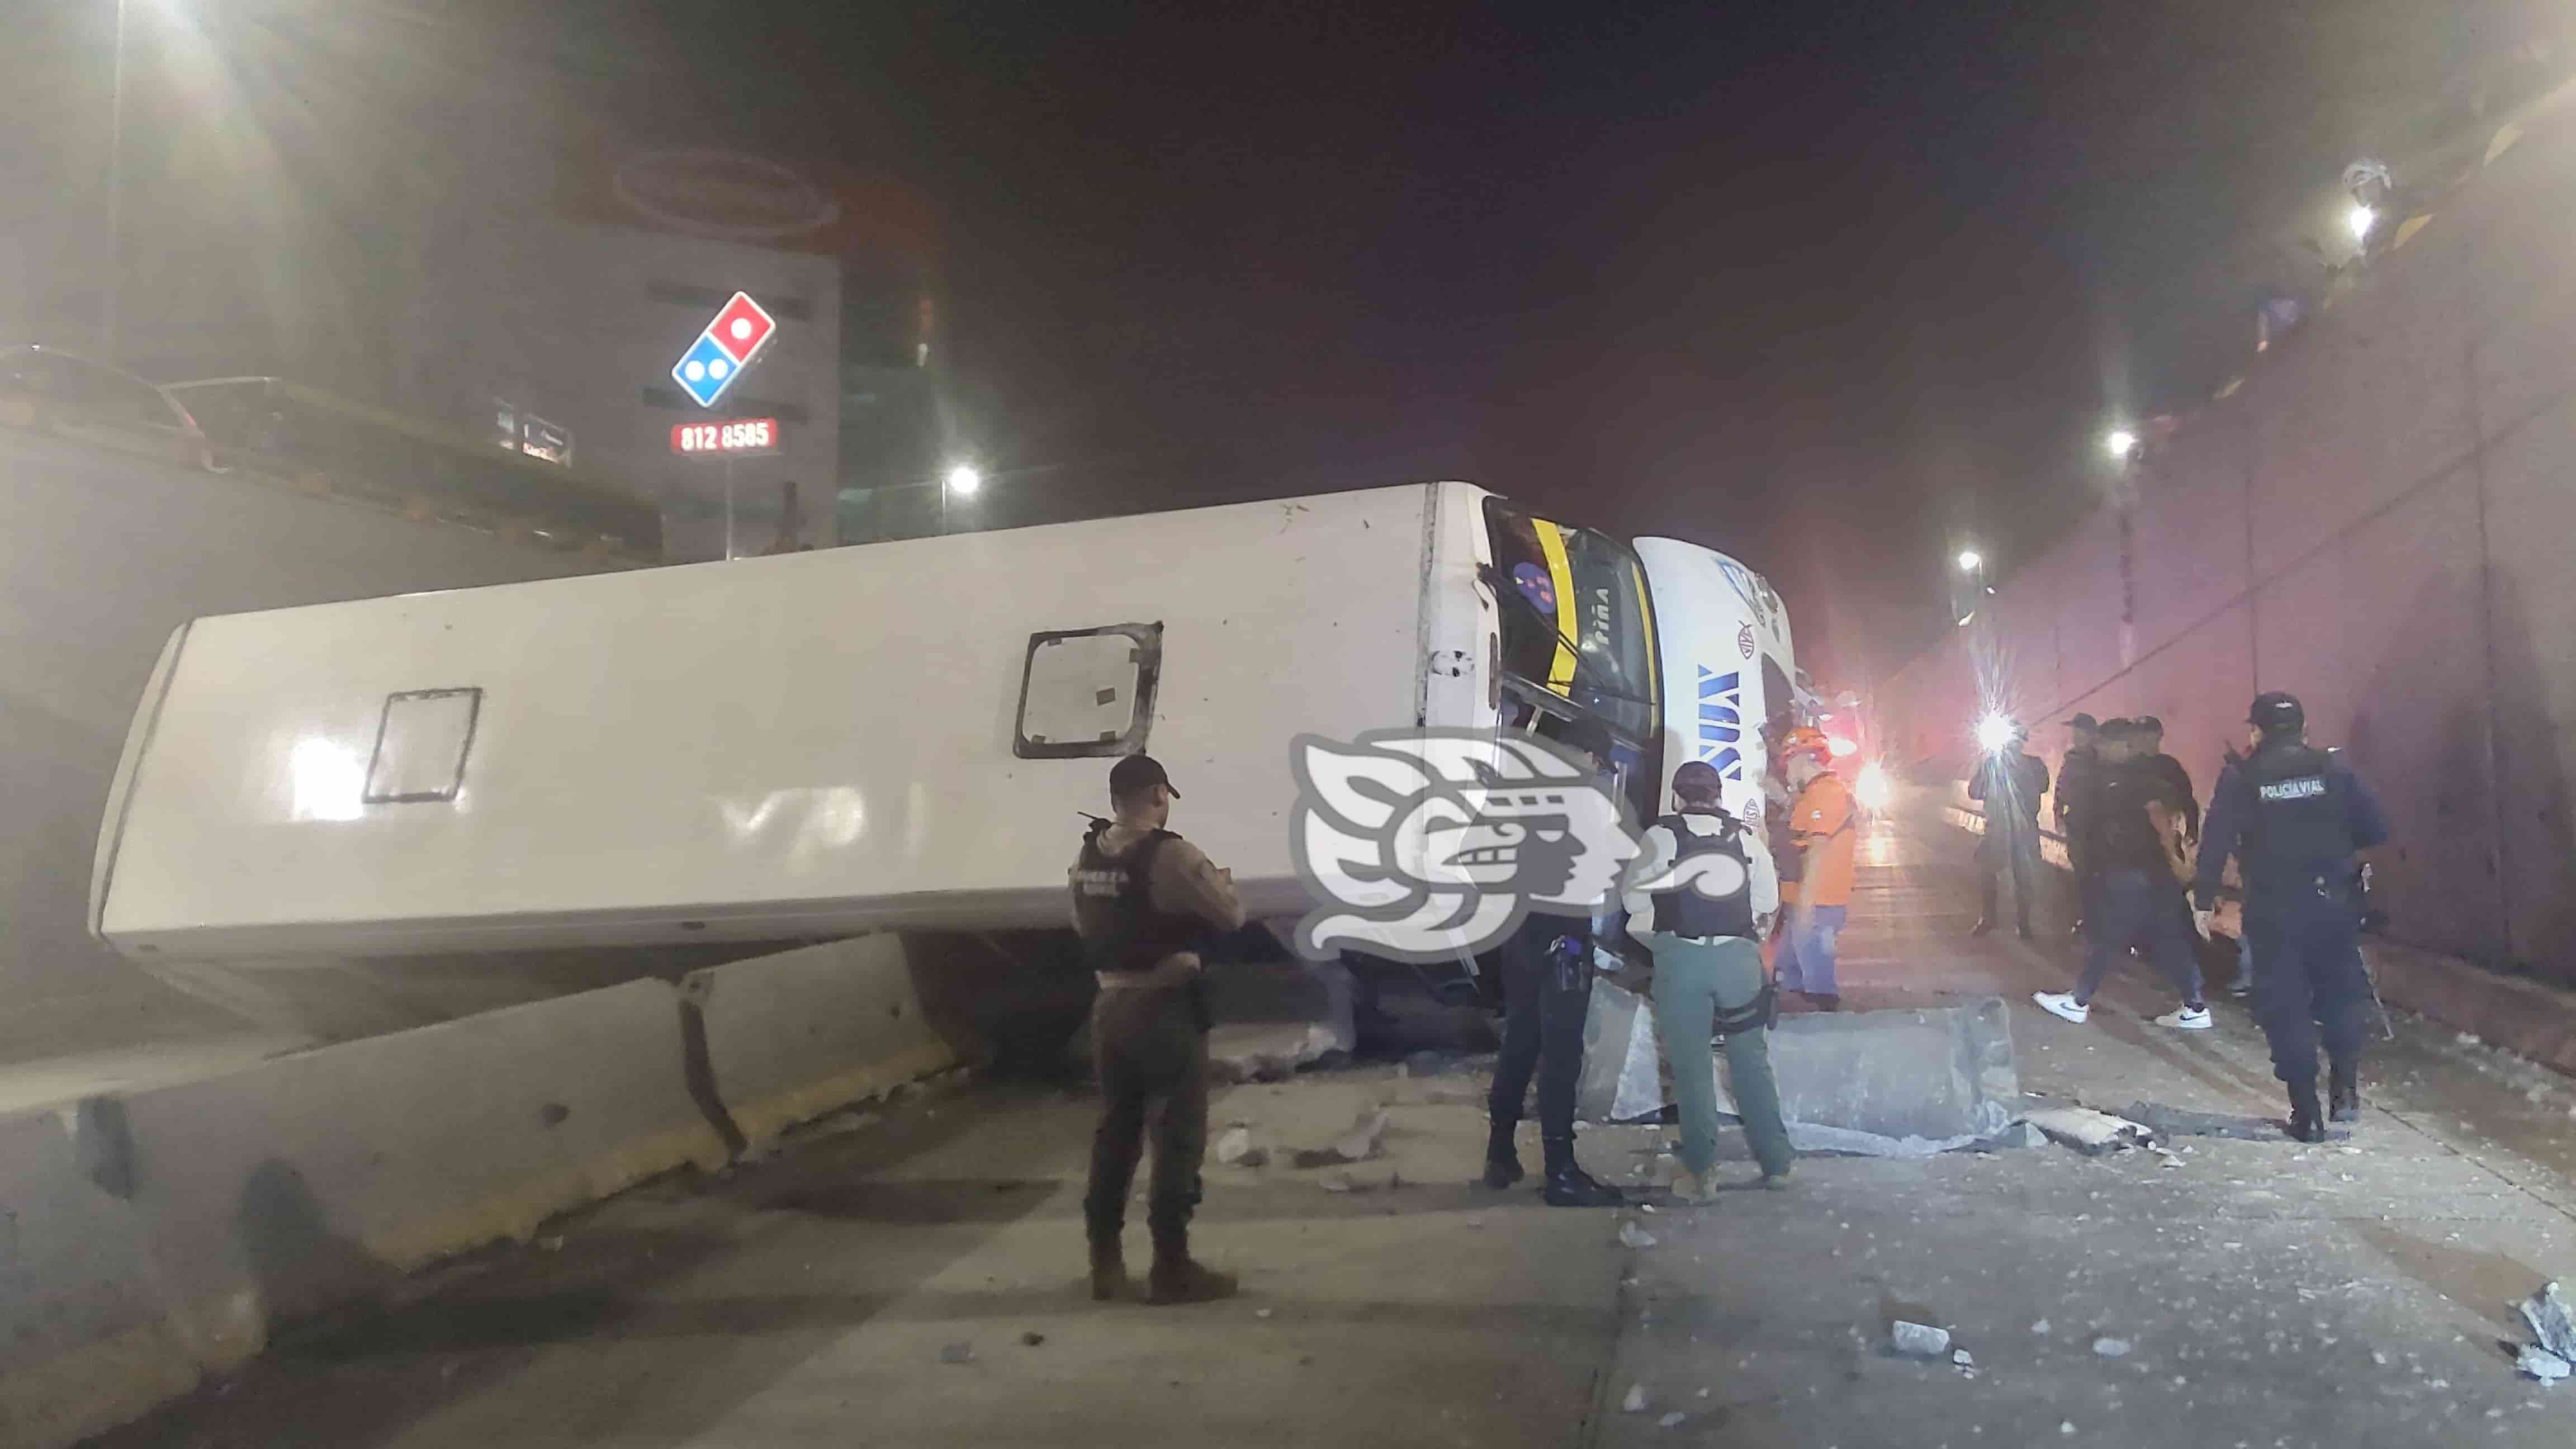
907, 1275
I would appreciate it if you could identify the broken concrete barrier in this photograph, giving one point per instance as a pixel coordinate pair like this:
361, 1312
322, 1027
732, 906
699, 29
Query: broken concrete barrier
792, 1036
1917, 1077
86, 1341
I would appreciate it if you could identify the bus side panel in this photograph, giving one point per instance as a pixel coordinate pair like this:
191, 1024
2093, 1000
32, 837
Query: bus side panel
814, 742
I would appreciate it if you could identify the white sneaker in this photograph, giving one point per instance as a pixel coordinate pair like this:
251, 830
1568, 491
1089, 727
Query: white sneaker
2062, 1003
2185, 1019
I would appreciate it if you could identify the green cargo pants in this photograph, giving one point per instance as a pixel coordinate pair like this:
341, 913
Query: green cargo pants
1694, 980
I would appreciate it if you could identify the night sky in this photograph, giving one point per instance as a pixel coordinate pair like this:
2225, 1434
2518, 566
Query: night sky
1834, 287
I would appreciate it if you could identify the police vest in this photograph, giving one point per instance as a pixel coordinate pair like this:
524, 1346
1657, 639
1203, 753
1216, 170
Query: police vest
1709, 907
2298, 822
1121, 929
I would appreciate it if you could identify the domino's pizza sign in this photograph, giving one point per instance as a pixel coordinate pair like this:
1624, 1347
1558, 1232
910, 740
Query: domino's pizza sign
723, 350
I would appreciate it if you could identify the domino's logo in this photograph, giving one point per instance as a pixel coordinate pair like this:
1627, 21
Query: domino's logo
723, 350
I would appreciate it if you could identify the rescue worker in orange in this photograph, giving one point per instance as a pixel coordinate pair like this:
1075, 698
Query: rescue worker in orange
1822, 824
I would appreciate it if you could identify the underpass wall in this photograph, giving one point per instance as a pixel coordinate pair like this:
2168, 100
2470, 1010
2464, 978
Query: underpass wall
2379, 520
101, 557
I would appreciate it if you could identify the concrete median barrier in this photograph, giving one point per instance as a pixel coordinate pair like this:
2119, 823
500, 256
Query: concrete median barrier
312, 1180
86, 1341
792, 1036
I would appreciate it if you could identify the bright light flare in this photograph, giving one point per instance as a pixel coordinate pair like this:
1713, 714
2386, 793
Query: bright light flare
1970, 560
964, 480
1840, 747
1994, 732
2360, 219
2120, 443
1872, 788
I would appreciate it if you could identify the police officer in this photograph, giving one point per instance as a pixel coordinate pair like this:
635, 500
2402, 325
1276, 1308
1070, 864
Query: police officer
2294, 816
1715, 894
2076, 776
1143, 900
1547, 990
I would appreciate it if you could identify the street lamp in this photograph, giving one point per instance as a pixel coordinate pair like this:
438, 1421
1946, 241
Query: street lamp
964, 480
2120, 443
1970, 560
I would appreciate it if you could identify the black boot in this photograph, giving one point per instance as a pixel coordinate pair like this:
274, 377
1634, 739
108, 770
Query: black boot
1502, 1159
1177, 1277
2307, 1122
2343, 1093
1568, 1185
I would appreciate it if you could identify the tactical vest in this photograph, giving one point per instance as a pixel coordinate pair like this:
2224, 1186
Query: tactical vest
1688, 911
2298, 823
1121, 929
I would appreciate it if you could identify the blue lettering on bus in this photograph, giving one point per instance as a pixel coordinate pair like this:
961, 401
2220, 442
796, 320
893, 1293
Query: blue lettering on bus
1721, 721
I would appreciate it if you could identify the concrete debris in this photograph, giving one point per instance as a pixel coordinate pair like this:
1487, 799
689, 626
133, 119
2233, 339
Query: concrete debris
2040, 1328
1635, 1403
1032, 1338
957, 1353
1263, 1312
2541, 1364
1238, 1151
1962, 1358
1919, 1340
2546, 1312
1672, 1420
2111, 1347
2089, 1132
1338, 1182
2167, 1122
1475, 1222
2066, 1426
1631, 1235
1364, 1141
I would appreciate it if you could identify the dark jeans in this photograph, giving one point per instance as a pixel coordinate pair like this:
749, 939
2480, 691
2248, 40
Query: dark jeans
2308, 978
2010, 850
1147, 1049
1545, 996
2136, 908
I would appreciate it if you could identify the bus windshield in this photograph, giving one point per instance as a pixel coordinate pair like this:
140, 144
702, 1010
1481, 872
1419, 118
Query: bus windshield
1575, 620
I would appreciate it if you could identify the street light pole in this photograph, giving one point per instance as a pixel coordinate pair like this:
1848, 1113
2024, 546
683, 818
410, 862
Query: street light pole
115, 196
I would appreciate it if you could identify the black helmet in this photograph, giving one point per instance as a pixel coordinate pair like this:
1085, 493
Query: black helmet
2277, 712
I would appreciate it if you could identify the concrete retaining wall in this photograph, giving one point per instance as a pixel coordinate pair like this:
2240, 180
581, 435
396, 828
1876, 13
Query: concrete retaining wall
792, 1036
2376, 521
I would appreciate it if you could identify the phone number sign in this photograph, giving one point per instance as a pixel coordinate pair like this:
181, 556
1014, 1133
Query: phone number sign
741, 435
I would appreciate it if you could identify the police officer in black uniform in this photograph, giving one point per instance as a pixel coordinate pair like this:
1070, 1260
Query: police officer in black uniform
1547, 990
1144, 900
2294, 815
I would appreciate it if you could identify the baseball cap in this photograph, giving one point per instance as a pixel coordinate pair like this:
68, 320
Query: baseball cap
1136, 774
2276, 709
2118, 725
2084, 722
2147, 724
